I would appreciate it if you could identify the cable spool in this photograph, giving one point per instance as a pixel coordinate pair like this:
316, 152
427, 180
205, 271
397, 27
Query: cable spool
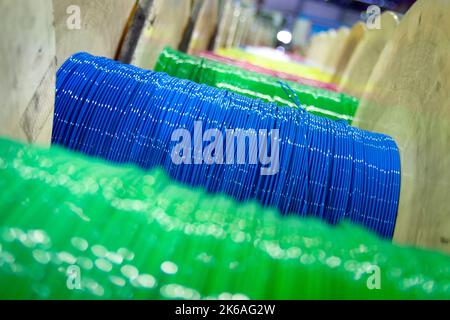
320, 167
108, 232
325, 103
278, 74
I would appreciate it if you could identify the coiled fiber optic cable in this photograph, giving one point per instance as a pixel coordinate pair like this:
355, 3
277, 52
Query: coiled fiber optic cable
277, 74
333, 105
105, 232
319, 167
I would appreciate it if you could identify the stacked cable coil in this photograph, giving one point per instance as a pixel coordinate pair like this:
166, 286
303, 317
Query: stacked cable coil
296, 162
76, 228
326, 103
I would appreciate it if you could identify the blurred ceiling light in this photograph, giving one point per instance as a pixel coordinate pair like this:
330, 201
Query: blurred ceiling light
284, 36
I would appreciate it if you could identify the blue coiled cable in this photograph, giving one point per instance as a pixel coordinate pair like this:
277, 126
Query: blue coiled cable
327, 169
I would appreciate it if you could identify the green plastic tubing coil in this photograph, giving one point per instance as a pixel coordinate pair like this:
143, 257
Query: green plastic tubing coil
76, 228
322, 102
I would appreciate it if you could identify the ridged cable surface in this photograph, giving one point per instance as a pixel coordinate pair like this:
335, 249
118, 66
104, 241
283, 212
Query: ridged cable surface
76, 228
321, 167
318, 101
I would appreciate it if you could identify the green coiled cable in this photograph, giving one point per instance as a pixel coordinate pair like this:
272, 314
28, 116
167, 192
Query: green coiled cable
77, 228
322, 102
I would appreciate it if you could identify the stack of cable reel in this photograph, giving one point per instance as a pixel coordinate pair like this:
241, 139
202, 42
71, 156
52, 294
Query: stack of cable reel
245, 172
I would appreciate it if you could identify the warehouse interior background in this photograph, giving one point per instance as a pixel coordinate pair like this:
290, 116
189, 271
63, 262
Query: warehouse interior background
352, 96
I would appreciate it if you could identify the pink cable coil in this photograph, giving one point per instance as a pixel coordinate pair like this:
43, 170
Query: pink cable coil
282, 75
